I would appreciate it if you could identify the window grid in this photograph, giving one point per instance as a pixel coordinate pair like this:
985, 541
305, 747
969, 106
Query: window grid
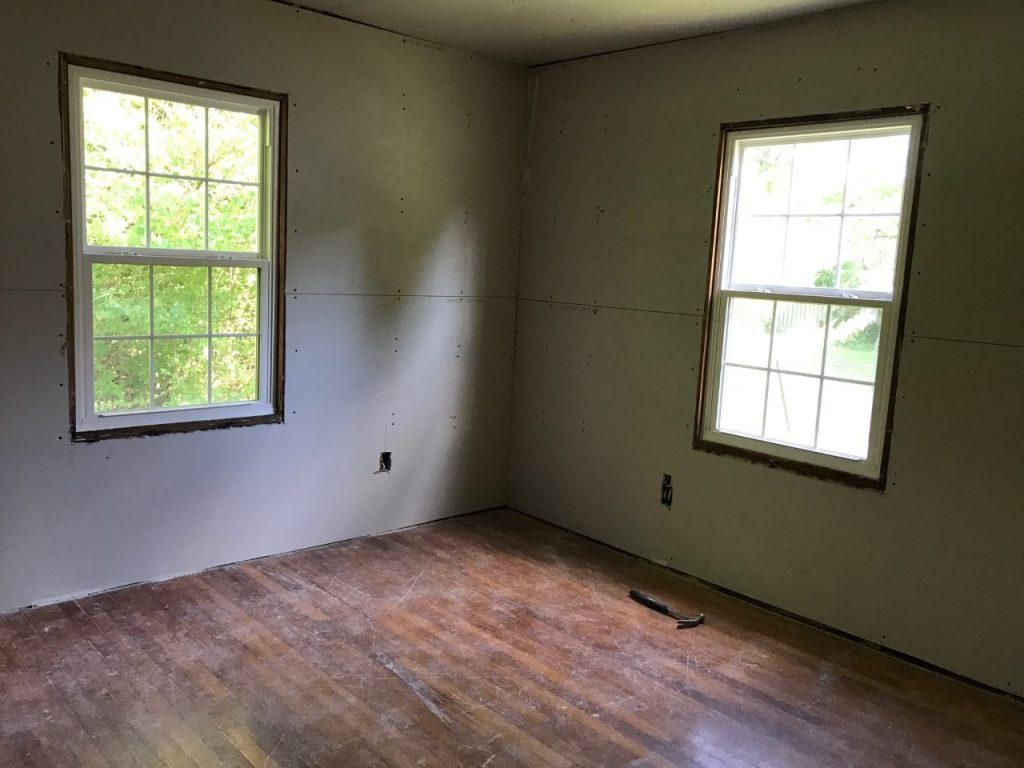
821, 371
771, 354
773, 368
789, 216
145, 107
185, 177
153, 337
208, 183
842, 222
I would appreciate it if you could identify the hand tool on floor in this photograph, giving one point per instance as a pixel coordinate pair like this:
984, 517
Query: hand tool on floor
682, 622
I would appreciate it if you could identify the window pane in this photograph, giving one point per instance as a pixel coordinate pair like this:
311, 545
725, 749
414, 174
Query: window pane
799, 340
853, 343
114, 129
758, 250
748, 331
792, 409
176, 213
177, 138
180, 368
845, 418
120, 300
115, 209
235, 368
812, 244
234, 146
235, 300
878, 168
819, 176
120, 375
741, 405
233, 217
868, 258
180, 304
764, 179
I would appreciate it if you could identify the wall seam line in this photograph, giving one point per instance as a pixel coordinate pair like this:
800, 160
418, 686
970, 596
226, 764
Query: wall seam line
1009, 345
402, 295
531, 101
611, 306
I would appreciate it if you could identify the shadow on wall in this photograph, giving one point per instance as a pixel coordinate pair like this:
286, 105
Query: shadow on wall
413, 250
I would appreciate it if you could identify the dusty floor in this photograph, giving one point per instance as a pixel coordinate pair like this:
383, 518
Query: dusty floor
490, 640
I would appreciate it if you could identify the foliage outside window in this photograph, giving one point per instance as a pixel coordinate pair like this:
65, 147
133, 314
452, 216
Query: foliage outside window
174, 251
806, 291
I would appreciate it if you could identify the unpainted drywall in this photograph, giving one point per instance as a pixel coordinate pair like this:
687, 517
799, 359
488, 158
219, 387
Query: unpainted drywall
620, 173
405, 164
541, 31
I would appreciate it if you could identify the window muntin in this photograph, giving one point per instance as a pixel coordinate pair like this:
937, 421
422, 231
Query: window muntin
805, 294
174, 201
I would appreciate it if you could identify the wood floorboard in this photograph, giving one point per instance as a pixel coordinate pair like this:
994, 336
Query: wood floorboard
493, 641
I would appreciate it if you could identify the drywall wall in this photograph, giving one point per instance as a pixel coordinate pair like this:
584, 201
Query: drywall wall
405, 165
620, 169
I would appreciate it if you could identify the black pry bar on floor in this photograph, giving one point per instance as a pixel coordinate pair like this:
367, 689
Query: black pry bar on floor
682, 622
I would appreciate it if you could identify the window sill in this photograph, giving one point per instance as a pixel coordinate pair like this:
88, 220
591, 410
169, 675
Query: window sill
95, 435
792, 465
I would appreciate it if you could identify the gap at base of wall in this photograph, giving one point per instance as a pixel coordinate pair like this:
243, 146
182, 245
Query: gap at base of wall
80, 595
905, 657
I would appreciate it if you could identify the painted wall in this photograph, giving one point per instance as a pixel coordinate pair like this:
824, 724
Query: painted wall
620, 169
403, 210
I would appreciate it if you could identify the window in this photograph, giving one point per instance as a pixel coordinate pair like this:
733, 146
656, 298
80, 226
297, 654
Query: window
174, 252
805, 293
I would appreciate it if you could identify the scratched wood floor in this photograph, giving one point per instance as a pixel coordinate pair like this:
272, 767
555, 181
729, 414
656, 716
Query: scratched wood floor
490, 640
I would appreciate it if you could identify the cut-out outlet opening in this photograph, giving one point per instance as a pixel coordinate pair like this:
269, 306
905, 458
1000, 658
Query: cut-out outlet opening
385, 461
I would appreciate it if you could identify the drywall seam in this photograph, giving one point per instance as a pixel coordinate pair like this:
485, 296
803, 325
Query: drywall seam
405, 295
795, 18
1010, 345
532, 88
422, 40
595, 305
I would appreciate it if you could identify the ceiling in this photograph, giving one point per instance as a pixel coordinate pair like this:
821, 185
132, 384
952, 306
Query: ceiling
542, 31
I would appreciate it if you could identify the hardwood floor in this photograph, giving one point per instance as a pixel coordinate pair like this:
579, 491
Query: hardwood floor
491, 640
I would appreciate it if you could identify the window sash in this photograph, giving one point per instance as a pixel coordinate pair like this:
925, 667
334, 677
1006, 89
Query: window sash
87, 419
787, 450
722, 290
812, 296
262, 404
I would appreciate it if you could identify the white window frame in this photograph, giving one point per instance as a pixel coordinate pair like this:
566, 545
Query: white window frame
868, 471
87, 420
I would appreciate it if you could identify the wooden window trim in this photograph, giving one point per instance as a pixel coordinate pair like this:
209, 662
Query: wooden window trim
277, 339
903, 290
